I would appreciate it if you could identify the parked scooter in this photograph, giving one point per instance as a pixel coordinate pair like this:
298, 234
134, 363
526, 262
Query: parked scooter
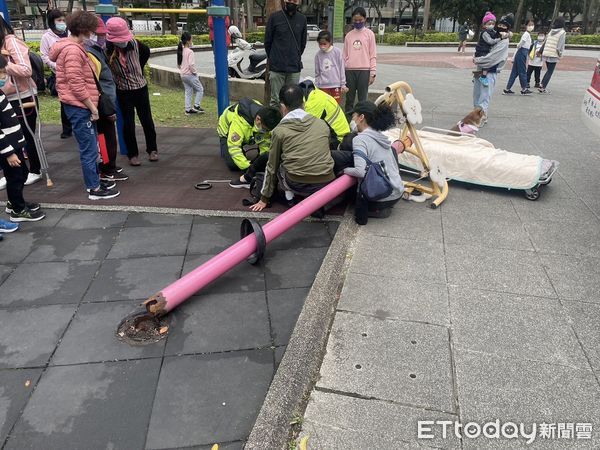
245, 61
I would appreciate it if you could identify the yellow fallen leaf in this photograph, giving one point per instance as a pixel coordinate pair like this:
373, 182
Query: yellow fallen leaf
303, 445
163, 330
215, 447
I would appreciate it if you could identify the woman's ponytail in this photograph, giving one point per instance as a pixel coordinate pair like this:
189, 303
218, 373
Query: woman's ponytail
185, 38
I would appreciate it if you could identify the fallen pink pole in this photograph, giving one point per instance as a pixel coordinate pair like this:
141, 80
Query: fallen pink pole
179, 291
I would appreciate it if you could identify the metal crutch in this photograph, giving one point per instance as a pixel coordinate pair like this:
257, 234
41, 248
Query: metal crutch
37, 136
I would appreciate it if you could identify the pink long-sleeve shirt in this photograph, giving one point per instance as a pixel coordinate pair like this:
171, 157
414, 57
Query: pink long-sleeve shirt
360, 50
48, 40
188, 62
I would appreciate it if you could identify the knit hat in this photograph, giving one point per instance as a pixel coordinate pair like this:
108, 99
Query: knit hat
101, 27
508, 20
489, 16
117, 30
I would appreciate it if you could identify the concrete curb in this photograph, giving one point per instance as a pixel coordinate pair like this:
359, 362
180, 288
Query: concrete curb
298, 370
472, 44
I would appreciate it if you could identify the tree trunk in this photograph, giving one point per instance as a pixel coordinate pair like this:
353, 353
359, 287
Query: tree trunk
556, 9
272, 6
173, 23
518, 16
70, 7
595, 13
249, 5
426, 8
584, 19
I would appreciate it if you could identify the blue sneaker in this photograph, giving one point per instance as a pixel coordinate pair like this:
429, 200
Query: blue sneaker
484, 81
8, 227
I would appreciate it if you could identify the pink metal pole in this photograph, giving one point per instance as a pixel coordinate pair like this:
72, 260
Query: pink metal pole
179, 291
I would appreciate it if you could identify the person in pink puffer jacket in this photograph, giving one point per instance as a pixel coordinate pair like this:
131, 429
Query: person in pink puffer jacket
19, 73
76, 86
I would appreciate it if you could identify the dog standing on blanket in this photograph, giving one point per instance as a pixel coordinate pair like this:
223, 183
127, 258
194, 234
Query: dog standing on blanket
471, 122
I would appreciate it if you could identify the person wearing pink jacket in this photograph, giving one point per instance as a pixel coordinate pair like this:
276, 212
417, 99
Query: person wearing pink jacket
76, 76
360, 59
20, 85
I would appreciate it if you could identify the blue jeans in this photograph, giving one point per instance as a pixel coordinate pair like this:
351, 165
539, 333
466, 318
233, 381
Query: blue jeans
483, 94
85, 134
519, 69
549, 71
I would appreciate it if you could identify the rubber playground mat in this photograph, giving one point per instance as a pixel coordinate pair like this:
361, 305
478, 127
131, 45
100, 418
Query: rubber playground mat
187, 156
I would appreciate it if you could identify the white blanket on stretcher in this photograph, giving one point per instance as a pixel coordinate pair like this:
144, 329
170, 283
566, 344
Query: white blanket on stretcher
473, 160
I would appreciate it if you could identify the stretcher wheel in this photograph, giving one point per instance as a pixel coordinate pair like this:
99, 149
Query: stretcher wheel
433, 206
532, 194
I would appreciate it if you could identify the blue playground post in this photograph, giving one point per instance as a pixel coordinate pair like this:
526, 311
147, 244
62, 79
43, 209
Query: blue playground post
4, 10
218, 11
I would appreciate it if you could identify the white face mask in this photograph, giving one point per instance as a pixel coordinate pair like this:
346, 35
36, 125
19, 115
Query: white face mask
353, 127
530, 28
490, 27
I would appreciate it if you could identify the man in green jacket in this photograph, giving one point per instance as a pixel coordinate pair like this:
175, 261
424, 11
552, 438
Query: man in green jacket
299, 160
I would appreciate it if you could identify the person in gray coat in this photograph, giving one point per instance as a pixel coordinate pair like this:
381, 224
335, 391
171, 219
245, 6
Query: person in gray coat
370, 120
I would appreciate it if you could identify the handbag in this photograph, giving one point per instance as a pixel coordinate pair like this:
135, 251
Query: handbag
376, 183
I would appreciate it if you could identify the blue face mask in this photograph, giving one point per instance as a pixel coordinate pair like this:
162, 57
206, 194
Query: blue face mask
359, 25
2, 82
60, 27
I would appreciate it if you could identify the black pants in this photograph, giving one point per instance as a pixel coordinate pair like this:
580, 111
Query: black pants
31, 118
358, 83
64, 120
107, 128
549, 71
131, 102
535, 70
363, 207
15, 180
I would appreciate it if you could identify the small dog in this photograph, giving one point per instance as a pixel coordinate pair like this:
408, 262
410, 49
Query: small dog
471, 122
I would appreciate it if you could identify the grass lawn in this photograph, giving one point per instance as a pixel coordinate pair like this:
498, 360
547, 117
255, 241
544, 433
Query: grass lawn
167, 109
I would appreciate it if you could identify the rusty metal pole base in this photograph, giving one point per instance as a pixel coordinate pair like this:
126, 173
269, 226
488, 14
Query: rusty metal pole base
142, 328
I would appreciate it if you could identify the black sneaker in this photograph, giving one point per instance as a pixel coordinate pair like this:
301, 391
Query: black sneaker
507, 92
31, 206
543, 91
106, 185
237, 184
537, 85
526, 92
103, 193
199, 109
65, 135
118, 169
117, 176
27, 215
191, 111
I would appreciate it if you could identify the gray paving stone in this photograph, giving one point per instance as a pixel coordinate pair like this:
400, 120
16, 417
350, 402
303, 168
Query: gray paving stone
91, 406
151, 241
63, 244
573, 212
15, 388
368, 424
468, 200
133, 279
293, 268
48, 283
585, 318
514, 326
409, 220
244, 277
303, 235
574, 277
411, 260
498, 270
400, 361
211, 235
565, 238
16, 246
528, 392
91, 336
28, 336
5, 271
219, 322
500, 232
79, 220
154, 219
284, 308
279, 352
396, 298
225, 390
53, 216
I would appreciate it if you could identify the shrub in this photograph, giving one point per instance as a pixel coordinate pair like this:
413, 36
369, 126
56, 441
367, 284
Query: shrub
584, 39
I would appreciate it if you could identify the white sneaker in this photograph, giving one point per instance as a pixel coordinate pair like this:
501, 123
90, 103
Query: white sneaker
2, 183
33, 178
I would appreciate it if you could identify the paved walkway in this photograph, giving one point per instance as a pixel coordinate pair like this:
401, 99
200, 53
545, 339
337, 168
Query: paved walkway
484, 309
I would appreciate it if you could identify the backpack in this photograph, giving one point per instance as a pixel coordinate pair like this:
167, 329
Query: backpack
376, 183
37, 71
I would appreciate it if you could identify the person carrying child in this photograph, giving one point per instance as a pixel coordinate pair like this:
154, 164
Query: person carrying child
330, 74
189, 75
535, 60
12, 162
487, 39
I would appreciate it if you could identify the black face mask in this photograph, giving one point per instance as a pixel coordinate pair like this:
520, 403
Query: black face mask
291, 8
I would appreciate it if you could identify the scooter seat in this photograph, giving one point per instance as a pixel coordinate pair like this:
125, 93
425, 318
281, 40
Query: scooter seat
257, 57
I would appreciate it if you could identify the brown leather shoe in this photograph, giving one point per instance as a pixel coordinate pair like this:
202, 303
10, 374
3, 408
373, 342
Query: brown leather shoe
134, 161
153, 156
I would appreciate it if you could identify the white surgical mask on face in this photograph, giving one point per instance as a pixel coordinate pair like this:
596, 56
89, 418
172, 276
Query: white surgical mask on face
530, 28
490, 27
353, 127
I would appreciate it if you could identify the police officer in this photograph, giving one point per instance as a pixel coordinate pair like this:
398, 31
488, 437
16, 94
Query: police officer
323, 106
245, 123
